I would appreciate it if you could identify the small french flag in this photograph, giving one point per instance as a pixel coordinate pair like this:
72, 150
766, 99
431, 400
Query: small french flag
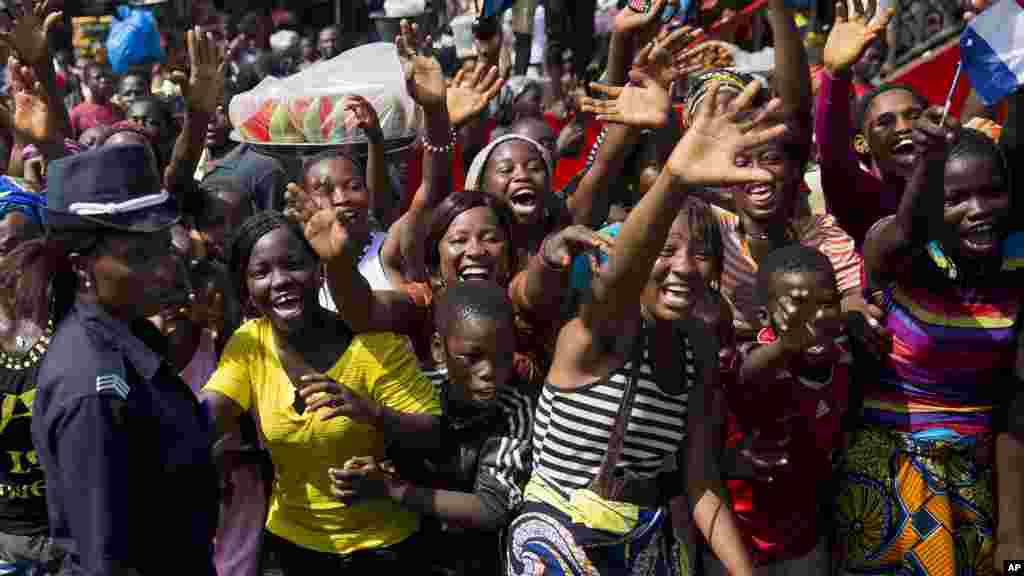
992, 50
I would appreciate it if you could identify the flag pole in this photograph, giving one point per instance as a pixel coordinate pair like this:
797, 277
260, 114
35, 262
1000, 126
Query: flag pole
952, 90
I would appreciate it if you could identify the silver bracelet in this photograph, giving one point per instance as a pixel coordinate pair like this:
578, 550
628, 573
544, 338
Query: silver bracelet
439, 149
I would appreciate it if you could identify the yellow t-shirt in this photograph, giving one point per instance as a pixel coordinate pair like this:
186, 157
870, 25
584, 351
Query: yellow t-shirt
302, 446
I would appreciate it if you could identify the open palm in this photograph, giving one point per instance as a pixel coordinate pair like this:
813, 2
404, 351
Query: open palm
31, 28
852, 34
706, 155
471, 91
423, 73
203, 88
326, 228
657, 59
643, 106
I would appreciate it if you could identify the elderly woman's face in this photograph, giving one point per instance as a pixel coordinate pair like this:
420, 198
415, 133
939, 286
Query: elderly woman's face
516, 173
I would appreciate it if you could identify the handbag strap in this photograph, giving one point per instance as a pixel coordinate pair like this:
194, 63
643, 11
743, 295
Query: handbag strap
605, 484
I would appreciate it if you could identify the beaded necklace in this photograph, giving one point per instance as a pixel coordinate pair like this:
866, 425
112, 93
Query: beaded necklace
32, 356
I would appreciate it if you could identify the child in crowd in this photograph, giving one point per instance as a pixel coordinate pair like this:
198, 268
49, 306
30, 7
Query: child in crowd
789, 399
474, 485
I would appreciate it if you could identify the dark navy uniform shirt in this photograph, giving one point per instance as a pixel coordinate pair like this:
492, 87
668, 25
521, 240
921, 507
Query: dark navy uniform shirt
126, 451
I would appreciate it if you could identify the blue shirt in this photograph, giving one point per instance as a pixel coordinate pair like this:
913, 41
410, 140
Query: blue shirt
125, 449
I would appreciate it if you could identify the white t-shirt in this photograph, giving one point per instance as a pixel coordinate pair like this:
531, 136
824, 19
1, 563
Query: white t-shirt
370, 267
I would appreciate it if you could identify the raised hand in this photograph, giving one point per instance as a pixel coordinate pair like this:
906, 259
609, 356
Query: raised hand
203, 88
559, 249
321, 392
852, 34
657, 58
702, 57
32, 118
629, 21
359, 113
28, 38
473, 88
706, 154
326, 227
362, 478
423, 73
931, 138
643, 106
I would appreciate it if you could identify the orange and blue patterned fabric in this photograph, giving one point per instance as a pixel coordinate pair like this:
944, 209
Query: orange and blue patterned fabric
915, 492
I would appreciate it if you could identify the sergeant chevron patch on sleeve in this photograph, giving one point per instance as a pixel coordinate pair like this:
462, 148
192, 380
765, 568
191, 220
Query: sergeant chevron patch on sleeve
113, 383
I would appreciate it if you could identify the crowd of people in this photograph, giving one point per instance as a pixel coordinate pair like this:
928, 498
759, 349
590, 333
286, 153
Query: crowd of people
586, 324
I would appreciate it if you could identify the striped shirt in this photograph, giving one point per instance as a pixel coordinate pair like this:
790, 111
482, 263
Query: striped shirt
572, 428
739, 272
953, 349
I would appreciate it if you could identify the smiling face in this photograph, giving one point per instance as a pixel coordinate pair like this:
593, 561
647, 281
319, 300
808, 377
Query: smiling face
977, 206
888, 125
517, 174
680, 275
772, 201
282, 279
475, 247
478, 353
338, 181
807, 289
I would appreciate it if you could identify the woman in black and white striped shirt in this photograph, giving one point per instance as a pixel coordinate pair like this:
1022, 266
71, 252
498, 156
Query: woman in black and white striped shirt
612, 420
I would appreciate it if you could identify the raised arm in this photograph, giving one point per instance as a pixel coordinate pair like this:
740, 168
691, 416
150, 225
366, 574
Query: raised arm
792, 75
203, 90
589, 203
333, 238
427, 87
705, 156
364, 117
892, 239
841, 175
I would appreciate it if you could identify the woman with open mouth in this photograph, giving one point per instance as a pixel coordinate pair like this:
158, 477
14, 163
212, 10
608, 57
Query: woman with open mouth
933, 440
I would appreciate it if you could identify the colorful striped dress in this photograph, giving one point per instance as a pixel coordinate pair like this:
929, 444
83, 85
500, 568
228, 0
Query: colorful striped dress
916, 493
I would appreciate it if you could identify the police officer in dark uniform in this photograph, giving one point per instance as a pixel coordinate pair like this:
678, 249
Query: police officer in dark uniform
131, 488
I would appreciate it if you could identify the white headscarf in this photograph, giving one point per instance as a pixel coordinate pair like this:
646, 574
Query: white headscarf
475, 176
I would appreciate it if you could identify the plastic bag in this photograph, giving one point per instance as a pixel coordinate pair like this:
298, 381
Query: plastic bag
133, 39
309, 107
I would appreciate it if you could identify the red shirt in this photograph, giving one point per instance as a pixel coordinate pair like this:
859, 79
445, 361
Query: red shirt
88, 115
780, 519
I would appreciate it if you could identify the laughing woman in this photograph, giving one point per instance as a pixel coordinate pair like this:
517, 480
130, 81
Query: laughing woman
615, 412
321, 396
919, 491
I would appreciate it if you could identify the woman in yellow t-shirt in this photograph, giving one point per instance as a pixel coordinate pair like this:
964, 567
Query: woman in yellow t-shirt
367, 392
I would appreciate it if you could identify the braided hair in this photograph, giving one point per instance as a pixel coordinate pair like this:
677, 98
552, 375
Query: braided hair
465, 301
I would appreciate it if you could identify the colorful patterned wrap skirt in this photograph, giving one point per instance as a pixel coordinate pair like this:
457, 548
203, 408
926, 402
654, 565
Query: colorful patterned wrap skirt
587, 536
916, 504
